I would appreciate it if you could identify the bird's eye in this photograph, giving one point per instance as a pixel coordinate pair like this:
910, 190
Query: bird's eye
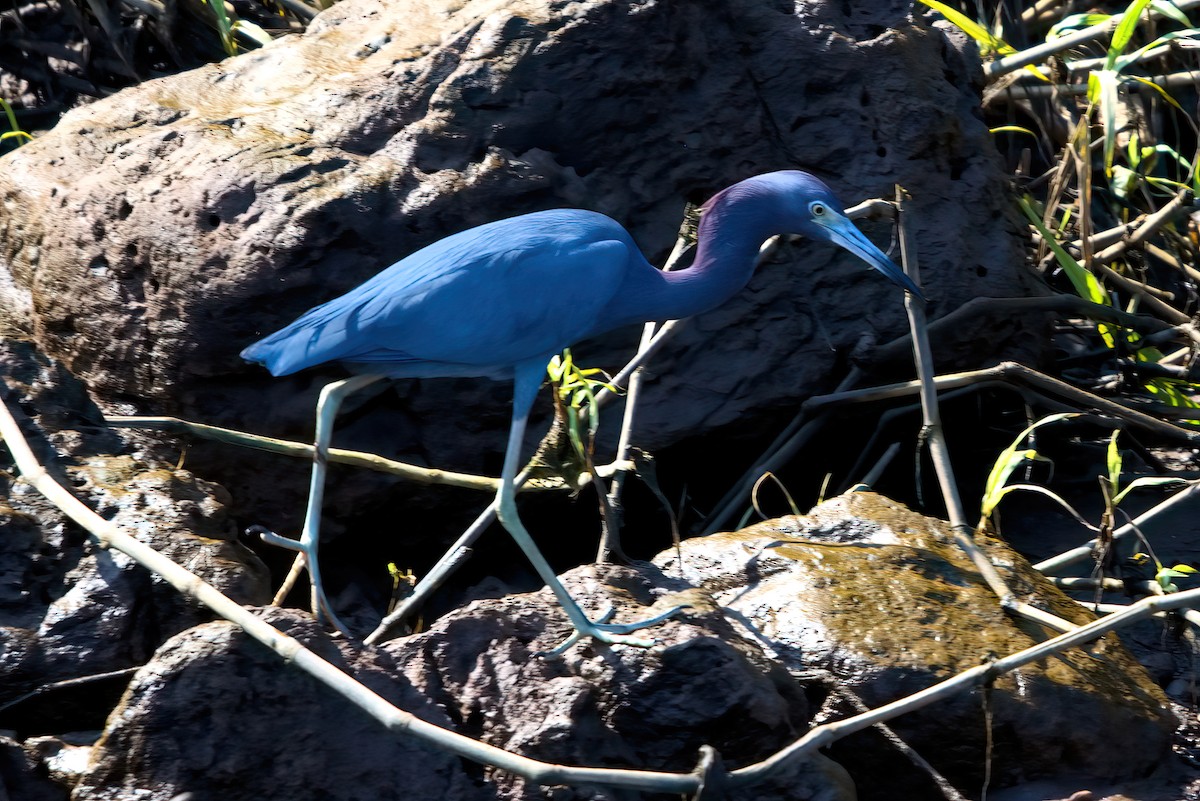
817, 209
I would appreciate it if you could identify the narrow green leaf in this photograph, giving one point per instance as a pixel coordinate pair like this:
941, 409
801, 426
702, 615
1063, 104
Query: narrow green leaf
1114, 462
1011, 129
971, 28
1011, 458
1106, 95
1123, 62
1148, 481
1084, 282
1052, 496
1075, 22
1168, 9
1124, 32
1161, 91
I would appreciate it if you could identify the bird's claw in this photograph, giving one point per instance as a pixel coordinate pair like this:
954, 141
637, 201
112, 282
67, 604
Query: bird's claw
613, 633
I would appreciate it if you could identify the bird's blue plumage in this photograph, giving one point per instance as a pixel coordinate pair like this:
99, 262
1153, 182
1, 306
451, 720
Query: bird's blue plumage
499, 300
474, 303
514, 292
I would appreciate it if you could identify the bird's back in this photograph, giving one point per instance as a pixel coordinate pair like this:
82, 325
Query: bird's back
474, 303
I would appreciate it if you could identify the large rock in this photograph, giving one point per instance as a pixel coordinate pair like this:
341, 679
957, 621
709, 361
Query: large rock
154, 234
69, 610
883, 600
217, 715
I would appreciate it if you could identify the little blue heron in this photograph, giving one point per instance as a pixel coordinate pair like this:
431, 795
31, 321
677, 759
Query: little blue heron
498, 301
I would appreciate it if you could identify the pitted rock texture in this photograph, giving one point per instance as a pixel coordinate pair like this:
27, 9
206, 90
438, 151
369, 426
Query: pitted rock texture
154, 234
218, 715
68, 609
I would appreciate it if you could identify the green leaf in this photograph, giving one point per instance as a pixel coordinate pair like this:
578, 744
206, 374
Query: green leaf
1104, 92
1162, 91
1009, 460
1147, 481
1170, 391
1124, 32
1049, 494
1075, 22
970, 27
1124, 181
1123, 62
1114, 462
1084, 282
1168, 9
1011, 129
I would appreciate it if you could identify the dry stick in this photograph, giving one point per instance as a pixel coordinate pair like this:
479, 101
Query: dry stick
453, 559
1063, 304
1040, 90
1084, 552
838, 689
935, 437
1010, 372
795, 436
610, 541
1106, 584
1032, 55
108, 535
1170, 259
823, 735
418, 475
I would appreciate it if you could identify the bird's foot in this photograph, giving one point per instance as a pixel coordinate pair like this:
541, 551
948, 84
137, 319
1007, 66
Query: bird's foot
612, 633
306, 557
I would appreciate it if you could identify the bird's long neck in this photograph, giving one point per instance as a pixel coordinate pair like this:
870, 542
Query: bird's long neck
733, 227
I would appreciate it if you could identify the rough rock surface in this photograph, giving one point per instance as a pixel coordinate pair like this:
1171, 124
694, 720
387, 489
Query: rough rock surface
154, 234
67, 609
869, 592
883, 599
219, 716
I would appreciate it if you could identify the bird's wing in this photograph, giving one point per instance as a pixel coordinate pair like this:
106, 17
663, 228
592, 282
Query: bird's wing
491, 296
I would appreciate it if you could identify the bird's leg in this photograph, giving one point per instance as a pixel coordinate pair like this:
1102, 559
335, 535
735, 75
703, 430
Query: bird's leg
328, 403
527, 382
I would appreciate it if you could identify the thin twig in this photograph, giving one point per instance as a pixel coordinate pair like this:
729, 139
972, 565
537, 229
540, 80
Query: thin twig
1032, 55
1084, 552
419, 475
935, 437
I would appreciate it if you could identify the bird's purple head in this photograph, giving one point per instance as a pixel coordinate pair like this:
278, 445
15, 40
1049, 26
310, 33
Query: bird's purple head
795, 202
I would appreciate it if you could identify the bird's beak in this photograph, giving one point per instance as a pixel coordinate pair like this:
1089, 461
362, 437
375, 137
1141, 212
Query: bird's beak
842, 232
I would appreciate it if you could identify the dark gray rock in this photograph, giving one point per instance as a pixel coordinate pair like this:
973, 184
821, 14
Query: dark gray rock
222, 718
68, 609
20, 777
217, 715
154, 234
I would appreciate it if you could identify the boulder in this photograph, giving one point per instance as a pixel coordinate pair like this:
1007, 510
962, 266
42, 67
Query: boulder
217, 715
69, 609
882, 599
155, 233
